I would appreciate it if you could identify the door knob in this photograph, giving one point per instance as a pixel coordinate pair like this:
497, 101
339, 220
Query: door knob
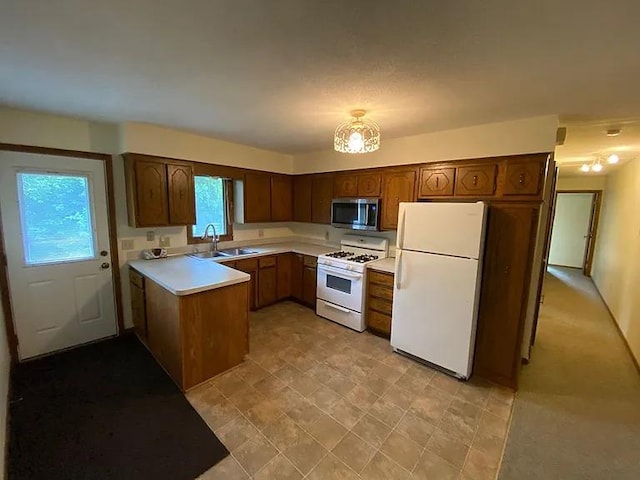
104, 253
105, 265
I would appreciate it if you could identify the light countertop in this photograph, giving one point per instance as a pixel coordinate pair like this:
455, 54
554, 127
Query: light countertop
185, 275
387, 265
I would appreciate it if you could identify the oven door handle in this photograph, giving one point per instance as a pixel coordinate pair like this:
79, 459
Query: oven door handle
335, 307
344, 273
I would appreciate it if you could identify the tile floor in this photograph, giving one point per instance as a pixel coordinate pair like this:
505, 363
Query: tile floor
319, 401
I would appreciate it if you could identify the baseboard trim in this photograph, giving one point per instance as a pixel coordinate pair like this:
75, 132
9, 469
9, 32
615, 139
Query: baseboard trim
615, 323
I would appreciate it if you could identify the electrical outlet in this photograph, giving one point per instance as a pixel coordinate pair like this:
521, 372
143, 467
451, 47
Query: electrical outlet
260, 233
151, 236
165, 241
126, 244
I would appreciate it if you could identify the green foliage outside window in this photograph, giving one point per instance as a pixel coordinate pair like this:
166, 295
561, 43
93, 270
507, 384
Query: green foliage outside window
210, 207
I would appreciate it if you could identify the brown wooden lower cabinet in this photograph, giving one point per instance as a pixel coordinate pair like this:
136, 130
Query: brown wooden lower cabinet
250, 266
284, 261
297, 266
138, 309
267, 281
379, 302
195, 337
309, 280
508, 260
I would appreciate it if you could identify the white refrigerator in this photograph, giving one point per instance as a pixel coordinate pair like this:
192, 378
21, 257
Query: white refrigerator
437, 283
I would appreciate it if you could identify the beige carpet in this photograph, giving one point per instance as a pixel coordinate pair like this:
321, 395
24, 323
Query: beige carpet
577, 413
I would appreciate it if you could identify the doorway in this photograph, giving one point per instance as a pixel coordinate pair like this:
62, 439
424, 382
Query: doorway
574, 230
57, 246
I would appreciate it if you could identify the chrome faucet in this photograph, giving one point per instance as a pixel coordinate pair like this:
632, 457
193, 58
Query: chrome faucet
214, 238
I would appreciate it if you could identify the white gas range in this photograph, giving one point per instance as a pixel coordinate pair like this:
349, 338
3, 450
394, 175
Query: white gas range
341, 279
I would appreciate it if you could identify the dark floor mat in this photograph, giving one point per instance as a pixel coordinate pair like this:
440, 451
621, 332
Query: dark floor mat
105, 411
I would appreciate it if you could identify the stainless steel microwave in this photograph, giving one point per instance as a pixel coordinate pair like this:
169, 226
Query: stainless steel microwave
356, 213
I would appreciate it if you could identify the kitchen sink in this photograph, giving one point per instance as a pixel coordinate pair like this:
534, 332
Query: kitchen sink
209, 254
233, 252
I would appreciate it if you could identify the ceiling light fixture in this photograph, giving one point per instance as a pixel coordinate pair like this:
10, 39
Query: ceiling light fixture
357, 135
585, 167
596, 167
613, 159
613, 132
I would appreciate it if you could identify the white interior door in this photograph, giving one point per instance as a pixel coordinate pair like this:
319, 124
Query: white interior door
571, 226
54, 213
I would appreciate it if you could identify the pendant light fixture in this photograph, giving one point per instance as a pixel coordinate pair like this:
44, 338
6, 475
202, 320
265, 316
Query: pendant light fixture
358, 135
597, 166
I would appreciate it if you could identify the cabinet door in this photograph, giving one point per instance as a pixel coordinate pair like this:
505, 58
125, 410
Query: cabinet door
346, 185
152, 208
250, 266
182, 195
436, 182
369, 184
281, 198
321, 196
297, 262
284, 275
505, 287
257, 197
302, 198
523, 178
267, 286
398, 186
138, 311
309, 280
476, 180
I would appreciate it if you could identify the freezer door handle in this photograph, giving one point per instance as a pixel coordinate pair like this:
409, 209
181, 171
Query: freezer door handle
401, 229
399, 269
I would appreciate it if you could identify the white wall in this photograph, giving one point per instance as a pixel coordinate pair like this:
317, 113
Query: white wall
154, 140
582, 182
4, 390
570, 225
616, 269
532, 135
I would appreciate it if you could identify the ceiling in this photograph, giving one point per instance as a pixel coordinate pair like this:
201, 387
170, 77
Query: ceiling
281, 74
587, 141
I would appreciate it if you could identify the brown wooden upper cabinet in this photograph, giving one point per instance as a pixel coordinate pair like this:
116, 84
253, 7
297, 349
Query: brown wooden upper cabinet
263, 197
321, 196
436, 182
476, 180
523, 178
281, 198
302, 198
159, 192
397, 186
346, 185
357, 185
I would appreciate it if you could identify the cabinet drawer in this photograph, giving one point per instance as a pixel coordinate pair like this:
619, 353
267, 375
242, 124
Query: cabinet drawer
380, 305
310, 261
436, 182
381, 278
247, 264
267, 262
136, 278
379, 322
523, 178
381, 291
477, 180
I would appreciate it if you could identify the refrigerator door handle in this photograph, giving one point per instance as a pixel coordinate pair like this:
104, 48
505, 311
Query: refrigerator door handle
401, 229
399, 269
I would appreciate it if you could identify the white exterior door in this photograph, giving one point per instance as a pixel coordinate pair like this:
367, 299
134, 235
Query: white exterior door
54, 213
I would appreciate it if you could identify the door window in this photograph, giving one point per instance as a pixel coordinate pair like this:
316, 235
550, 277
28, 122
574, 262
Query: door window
56, 218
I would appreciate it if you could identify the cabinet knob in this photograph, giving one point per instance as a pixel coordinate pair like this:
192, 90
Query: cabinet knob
522, 178
475, 180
